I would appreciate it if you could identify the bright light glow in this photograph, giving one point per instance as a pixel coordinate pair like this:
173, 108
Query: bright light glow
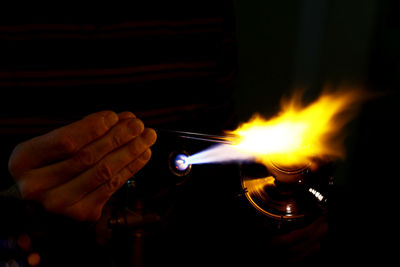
181, 163
221, 153
297, 135
288, 208
317, 194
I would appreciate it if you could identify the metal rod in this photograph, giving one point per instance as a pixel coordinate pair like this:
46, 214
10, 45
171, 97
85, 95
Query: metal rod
207, 139
200, 136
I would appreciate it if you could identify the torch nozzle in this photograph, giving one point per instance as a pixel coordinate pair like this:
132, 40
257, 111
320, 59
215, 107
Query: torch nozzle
179, 163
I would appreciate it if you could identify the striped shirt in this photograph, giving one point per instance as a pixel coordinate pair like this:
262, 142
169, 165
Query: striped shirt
168, 61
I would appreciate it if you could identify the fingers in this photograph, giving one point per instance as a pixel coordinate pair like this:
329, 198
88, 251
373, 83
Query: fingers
89, 155
83, 210
74, 170
61, 142
104, 171
109, 188
58, 173
92, 153
126, 115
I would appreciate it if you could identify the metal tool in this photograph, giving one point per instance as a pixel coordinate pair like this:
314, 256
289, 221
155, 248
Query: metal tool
200, 136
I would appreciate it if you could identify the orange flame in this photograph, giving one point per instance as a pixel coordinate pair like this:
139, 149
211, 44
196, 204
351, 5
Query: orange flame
300, 133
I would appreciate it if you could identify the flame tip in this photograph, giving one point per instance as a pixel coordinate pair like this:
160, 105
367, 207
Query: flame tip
300, 132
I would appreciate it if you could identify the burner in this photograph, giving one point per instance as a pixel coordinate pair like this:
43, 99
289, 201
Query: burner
177, 163
288, 173
279, 194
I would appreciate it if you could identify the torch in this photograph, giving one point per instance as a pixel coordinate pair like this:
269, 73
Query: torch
284, 166
285, 161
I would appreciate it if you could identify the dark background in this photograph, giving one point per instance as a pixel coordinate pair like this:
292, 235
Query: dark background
283, 45
308, 44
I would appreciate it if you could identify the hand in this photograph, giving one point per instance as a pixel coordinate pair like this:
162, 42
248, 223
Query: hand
75, 169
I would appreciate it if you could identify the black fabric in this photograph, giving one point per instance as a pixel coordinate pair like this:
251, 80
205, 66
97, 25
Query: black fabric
143, 56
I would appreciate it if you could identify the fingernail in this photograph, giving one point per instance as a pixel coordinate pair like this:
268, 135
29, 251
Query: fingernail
111, 119
149, 136
146, 155
135, 127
